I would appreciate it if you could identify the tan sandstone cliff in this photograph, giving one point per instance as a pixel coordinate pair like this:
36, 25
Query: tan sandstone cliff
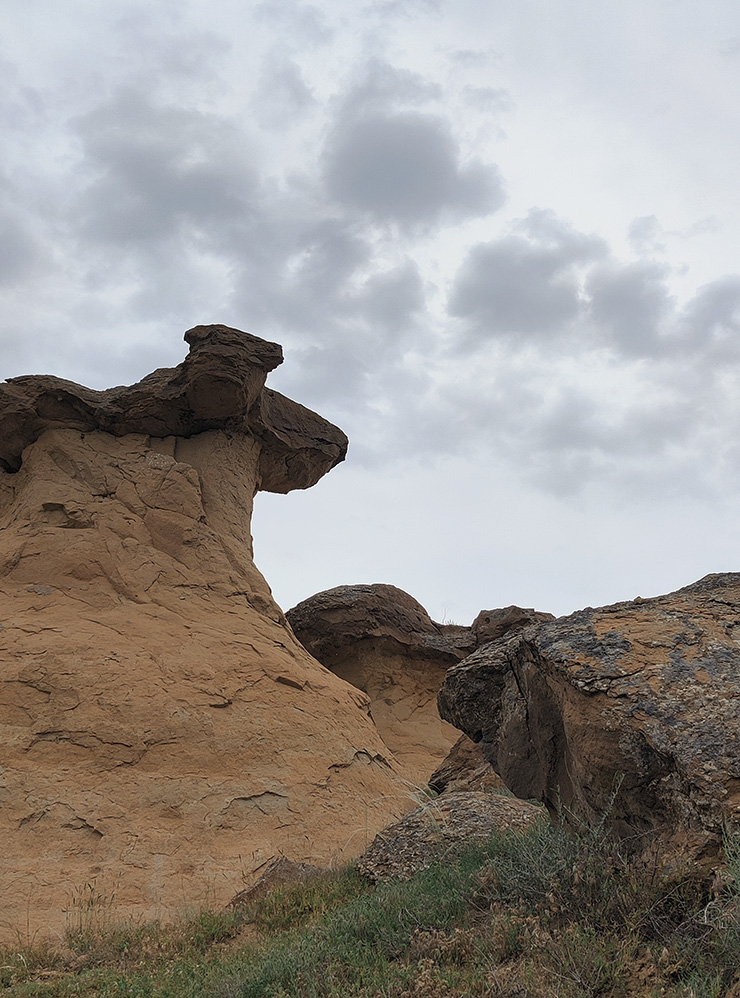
163, 733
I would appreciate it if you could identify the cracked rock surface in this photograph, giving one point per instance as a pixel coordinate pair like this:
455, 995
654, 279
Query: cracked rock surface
643, 696
164, 735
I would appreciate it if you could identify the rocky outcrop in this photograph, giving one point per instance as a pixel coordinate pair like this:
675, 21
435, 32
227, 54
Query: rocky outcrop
220, 386
490, 625
164, 734
441, 828
464, 768
629, 712
382, 641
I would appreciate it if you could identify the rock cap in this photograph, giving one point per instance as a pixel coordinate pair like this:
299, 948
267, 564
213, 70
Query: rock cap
219, 386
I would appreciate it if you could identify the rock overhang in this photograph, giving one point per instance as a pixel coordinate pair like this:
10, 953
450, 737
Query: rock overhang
219, 386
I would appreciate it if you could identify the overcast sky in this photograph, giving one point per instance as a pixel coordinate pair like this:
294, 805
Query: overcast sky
497, 239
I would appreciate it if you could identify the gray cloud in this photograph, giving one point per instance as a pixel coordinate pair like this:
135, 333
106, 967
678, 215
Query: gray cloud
549, 231
711, 320
302, 21
171, 216
525, 283
491, 100
405, 8
391, 299
513, 286
405, 168
156, 168
631, 303
281, 96
163, 54
646, 235
474, 58
20, 252
379, 87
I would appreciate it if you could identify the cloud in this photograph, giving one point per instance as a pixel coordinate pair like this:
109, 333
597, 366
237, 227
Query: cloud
155, 168
308, 24
526, 283
645, 235
586, 369
491, 100
631, 304
20, 252
405, 168
281, 95
379, 87
711, 320
391, 299
404, 8
509, 286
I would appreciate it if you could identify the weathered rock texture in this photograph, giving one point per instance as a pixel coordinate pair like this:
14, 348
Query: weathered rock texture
490, 625
379, 639
440, 828
163, 733
644, 692
464, 768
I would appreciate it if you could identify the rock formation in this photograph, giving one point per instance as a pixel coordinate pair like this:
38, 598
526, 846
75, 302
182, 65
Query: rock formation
464, 768
440, 828
629, 711
379, 639
164, 734
490, 625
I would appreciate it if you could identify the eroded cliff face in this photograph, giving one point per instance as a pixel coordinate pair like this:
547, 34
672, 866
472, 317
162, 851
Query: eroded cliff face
164, 734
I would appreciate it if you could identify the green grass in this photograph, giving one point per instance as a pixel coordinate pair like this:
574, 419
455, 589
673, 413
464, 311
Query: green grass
540, 913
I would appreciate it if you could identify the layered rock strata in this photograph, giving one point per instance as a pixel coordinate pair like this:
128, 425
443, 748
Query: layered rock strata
629, 713
164, 735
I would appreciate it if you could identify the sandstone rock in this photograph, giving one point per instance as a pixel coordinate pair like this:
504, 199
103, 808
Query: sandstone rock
465, 768
442, 827
643, 695
164, 734
382, 641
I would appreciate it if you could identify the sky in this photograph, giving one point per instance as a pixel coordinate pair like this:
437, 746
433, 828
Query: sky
497, 240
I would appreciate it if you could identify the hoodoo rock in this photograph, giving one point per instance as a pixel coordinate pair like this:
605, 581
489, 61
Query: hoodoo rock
379, 639
629, 713
164, 735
